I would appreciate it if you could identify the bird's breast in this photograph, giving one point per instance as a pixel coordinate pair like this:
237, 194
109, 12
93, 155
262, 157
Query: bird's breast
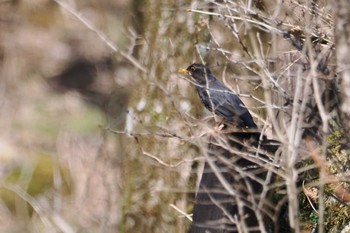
205, 99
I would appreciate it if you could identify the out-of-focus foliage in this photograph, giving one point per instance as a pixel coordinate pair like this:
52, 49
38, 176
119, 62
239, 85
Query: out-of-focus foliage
59, 171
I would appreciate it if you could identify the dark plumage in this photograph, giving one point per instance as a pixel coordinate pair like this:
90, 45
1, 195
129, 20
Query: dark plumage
216, 210
218, 98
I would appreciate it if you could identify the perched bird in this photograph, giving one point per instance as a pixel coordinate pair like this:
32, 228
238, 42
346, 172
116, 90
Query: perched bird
216, 210
218, 98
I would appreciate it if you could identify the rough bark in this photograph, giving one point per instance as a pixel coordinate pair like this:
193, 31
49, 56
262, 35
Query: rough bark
342, 34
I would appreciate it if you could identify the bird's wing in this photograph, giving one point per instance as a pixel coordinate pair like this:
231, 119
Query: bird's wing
233, 109
228, 107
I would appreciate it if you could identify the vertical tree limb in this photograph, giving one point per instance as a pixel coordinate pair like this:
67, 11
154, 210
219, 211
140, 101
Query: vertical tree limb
342, 36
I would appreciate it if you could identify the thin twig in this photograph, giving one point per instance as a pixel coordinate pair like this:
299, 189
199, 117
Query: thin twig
102, 36
188, 216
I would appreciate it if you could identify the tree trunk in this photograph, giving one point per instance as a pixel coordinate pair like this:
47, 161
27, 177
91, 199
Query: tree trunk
342, 34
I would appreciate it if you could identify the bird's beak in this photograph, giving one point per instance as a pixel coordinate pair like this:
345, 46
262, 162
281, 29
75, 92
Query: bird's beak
183, 71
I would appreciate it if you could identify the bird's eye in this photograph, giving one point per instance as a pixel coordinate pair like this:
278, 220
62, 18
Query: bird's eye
193, 68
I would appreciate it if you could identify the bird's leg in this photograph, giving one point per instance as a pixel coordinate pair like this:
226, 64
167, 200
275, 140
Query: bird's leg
221, 125
218, 128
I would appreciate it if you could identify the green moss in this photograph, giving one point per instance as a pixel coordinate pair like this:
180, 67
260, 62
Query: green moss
35, 177
307, 215
336, 216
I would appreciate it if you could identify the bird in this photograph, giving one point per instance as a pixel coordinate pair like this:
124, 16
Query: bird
214, 206
218, 98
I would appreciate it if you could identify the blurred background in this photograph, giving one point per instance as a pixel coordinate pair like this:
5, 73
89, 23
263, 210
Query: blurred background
99, 132
78, 116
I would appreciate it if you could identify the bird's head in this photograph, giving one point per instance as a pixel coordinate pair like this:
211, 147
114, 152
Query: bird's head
200, 73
